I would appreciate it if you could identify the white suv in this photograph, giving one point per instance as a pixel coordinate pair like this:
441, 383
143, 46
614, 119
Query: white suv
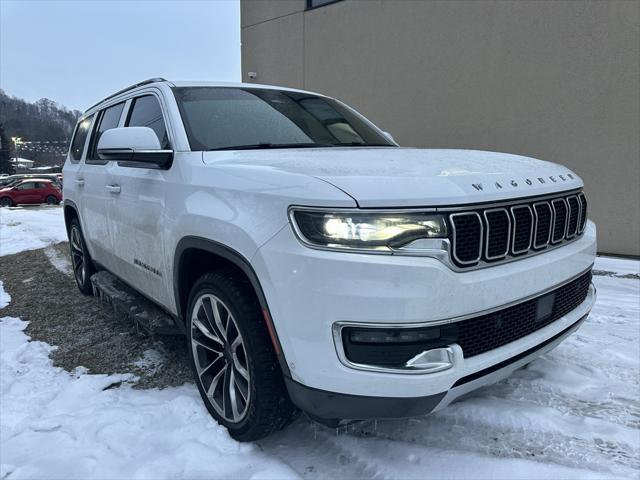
312, 262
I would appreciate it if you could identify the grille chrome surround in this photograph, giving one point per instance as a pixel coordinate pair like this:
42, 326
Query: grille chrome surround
535, 225
560, 215
487, 215
453, 218
538, 208
514, 210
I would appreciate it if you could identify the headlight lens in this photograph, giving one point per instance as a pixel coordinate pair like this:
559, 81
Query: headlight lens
367, 230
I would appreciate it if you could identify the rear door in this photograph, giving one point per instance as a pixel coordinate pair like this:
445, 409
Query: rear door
137, 211
95, 197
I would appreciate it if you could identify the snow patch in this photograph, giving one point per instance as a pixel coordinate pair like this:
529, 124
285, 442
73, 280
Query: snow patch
59, 261
151, 361
60, 425
30, 228
5, 298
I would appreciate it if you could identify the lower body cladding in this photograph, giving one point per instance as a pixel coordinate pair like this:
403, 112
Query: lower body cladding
378, 336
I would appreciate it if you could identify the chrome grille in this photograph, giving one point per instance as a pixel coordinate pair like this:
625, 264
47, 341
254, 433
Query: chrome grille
574, 216
559, 207
486, 235
522, 229
497, 233
544, 223
583, 212
467, 237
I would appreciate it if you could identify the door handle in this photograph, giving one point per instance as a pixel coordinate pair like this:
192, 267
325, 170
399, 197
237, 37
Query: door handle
80, 182
113, 188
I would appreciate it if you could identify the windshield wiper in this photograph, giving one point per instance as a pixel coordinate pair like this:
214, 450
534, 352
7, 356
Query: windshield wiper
260, 146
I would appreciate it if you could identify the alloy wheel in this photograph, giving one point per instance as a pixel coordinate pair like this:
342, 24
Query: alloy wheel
220, 358
77, 255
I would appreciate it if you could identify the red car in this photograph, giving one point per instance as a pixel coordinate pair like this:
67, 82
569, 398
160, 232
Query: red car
30, 191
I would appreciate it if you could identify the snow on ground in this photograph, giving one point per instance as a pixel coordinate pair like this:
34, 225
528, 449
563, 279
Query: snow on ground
28, 228
5, 298
573, 413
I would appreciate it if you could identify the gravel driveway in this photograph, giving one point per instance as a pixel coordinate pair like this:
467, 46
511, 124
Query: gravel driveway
86, 333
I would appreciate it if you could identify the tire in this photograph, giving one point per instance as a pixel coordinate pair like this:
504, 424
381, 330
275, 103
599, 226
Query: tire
6, 202
245, 371
51, 200
80, 259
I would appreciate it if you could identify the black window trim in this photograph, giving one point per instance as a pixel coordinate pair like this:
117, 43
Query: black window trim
131, 101
310, 6
94, 128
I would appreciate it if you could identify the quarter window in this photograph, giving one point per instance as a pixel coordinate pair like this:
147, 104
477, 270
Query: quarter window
79, 139
109, 118
146, 112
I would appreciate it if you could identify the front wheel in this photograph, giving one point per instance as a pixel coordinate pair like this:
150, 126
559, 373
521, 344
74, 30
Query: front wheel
51, 200
80, 258
233, 361
5, 202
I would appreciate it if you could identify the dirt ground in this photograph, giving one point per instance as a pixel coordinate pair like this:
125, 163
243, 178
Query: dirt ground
85, 332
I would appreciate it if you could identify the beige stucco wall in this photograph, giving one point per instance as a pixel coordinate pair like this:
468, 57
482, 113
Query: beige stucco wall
557, 80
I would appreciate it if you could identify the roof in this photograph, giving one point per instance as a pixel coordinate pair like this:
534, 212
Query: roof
193, 83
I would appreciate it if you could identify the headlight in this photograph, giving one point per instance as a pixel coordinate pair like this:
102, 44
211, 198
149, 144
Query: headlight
366, 230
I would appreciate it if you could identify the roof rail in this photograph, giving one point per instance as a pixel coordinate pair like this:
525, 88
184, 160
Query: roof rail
135, 85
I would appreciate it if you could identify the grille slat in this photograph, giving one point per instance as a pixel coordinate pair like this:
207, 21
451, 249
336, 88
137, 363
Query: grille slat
559, 206
522, 227
467, 239
574, 216
500, 234
583, 212
544, 223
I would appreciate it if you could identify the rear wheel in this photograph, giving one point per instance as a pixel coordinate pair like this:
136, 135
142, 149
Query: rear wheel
80, 259
5, 202
235, 367
51, 200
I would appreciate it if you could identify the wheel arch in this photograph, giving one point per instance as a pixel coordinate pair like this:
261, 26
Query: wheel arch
195, 256
70, 212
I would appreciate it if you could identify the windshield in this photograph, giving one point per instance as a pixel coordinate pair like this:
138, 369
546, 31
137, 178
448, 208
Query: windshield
224, 118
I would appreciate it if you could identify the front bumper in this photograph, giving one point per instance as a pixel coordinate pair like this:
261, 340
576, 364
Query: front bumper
309, 290
331, 406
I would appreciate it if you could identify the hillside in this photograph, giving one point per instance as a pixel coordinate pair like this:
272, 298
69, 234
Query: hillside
40, 121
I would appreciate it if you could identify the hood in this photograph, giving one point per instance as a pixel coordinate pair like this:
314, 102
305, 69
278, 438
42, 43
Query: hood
410, 177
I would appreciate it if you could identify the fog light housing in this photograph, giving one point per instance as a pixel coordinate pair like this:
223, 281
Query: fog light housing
400, 348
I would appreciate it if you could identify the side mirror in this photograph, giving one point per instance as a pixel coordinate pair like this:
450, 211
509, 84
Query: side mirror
389, 136
136, 146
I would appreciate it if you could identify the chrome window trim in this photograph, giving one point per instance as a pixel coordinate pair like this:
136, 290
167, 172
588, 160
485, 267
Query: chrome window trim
337, 327
515, 230
551, 222
566, 219
453, 236
486, 247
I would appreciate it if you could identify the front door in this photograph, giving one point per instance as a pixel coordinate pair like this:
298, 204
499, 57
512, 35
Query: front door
137, 212
95, 197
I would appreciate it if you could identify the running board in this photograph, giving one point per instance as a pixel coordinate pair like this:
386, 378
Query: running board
132, 306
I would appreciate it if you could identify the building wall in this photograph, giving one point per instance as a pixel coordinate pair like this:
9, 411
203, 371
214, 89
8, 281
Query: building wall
556, 80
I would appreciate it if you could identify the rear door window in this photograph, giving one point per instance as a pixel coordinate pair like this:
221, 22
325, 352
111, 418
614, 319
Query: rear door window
109, 118
146, 112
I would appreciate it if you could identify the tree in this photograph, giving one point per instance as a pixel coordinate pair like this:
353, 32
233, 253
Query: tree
5, 153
